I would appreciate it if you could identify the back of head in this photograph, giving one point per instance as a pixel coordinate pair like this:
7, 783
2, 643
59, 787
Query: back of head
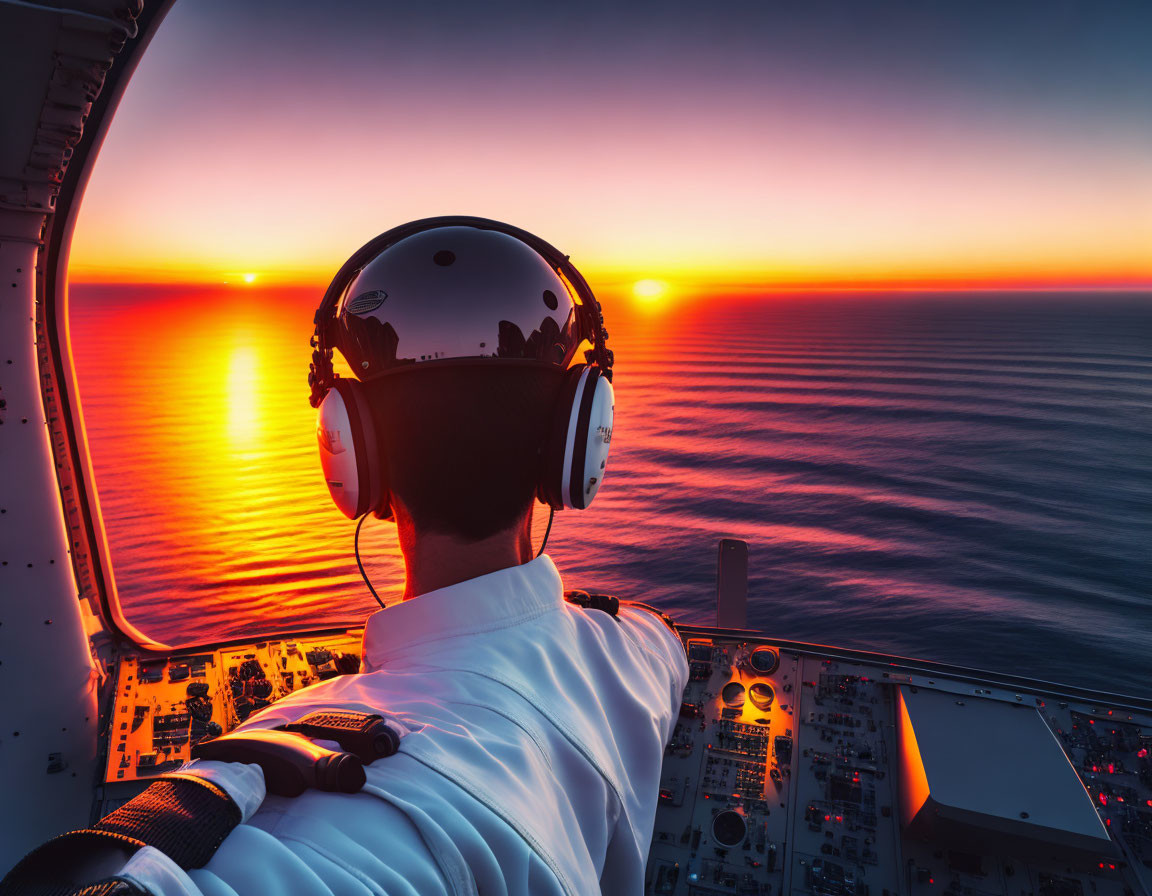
482, 378
464, 446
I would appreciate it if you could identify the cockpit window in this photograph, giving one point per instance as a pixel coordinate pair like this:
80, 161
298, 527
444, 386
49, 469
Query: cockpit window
203, 446
875, 276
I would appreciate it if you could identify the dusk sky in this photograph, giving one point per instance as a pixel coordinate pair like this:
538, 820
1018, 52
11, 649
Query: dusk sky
807, 143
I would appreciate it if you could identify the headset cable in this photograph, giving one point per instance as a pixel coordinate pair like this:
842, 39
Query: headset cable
363, 573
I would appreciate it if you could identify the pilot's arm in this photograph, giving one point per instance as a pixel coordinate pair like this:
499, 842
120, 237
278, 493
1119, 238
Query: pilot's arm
538, 775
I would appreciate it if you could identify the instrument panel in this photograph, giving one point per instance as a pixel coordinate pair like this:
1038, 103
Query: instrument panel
165, 705
785, 776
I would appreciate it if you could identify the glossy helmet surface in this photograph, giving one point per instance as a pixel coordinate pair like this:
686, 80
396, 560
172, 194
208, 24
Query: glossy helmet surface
454, 294
460, 291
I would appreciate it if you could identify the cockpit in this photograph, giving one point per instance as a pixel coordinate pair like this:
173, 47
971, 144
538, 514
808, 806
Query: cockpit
856, 405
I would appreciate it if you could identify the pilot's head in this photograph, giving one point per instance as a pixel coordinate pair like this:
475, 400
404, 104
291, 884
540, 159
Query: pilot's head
482, 379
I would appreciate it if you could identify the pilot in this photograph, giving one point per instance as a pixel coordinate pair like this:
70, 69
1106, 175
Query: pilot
531, 728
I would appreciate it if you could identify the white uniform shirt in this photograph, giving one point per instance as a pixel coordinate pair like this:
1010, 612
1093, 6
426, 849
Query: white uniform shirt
532, 762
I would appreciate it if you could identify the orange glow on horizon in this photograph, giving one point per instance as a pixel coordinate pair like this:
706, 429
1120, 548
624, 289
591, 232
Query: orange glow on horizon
875, 232
820, 182
659, 277
687, 284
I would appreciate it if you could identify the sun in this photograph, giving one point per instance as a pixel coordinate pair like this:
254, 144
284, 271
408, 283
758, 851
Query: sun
649, 289
249, 278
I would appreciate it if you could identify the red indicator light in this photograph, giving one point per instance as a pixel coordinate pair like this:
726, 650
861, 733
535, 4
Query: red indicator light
1141, 754
827, 817
1091, 721
1111, 867
1101, 864
931, 880
1111, 768
1103, 799
1119, 799
1107, 822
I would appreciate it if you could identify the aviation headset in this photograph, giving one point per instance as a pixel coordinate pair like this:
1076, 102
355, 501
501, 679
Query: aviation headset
576, 449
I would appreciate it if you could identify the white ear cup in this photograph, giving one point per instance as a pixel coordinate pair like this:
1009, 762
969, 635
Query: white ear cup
338, 453
349, 454
588, 441
599, 438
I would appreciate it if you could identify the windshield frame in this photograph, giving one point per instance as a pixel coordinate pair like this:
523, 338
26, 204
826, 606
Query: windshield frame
87, 536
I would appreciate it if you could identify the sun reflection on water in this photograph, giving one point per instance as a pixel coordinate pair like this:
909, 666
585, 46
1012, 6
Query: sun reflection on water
245, 422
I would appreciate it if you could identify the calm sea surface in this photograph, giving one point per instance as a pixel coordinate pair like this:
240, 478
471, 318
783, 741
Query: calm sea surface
959, 478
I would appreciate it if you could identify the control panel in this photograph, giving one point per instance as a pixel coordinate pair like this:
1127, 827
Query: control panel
789, 771
785, 775
165, 705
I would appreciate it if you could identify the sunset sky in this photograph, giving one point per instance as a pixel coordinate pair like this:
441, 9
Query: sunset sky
756, 144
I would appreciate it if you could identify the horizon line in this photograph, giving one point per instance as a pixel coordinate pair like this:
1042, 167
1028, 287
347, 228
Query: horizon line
681, 286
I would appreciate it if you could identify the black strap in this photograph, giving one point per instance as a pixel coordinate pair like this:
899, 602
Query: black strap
604, 602
185, 818
188, 818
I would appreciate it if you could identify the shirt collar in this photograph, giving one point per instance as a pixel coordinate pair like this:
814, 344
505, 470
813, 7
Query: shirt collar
496, 600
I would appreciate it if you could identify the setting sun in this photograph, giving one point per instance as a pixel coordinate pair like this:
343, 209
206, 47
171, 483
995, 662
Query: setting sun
649, 289
249, 278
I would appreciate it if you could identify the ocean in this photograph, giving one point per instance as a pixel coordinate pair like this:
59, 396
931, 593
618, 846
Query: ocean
960, 477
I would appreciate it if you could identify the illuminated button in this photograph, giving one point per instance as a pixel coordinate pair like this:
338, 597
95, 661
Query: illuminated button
761, 695
733, 695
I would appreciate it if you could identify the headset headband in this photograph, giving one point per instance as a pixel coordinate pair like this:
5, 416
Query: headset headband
590, 317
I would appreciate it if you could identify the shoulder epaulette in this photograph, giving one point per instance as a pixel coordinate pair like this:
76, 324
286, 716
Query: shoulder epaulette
611, 605
604, 602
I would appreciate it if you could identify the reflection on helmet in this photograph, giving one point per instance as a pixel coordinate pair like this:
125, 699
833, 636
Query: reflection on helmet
456, 293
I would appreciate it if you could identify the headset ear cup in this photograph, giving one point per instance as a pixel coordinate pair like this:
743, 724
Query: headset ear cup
577, 451
590, 439
349, 450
